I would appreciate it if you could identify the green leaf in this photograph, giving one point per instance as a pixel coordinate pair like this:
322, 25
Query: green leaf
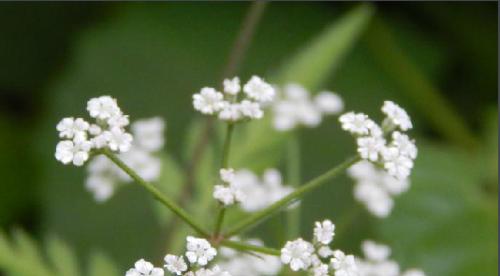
446, 223
324, 54
62, 257
100, 265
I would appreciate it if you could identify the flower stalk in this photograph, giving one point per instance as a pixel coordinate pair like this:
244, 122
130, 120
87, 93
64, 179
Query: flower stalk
169, 203
258, 217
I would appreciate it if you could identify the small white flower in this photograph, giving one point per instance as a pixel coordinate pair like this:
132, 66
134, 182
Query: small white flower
251, 109
397, 115
208, 101
356, 123
119, 120
148, 133
95, 129
118, 139
76, 152
70, 127
370, 147
103, 107
143, 268
374, 197
321, 270
393, 185
230, 112
199, 251
224, 194
101, 186
259, 90
396, 164
324, 231
375, 252
227, 175
405, 146
329, 102
232, 86
298, 254
344, 265
325, 252
175, 264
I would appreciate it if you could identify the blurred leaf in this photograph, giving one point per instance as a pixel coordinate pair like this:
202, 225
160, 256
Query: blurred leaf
446, 224
62, 257
170, 183
100, 265
325, 53
425, 96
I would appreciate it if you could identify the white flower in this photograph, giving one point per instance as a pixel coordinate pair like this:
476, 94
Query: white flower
325, 252
375, 252
119, 120
70, 127
230, 112
259, 90
374, 197
370, 147
343, 265
405, 146
227, 175
118, 139
363, 170
224, 194
103, 107
324, 231
76, 152
298, 254
148, 133
95, 129
199, 251
232, 86
175, 264
100, 141
214, 271
251, 109
397, 115
143, 268
208, 101
396, 164
329, 102
356, 123
413, 272
321, 270
393, 185
101, 186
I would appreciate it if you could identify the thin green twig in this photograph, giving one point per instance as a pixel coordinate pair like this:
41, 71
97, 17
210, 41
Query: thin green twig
257, 217
170, 204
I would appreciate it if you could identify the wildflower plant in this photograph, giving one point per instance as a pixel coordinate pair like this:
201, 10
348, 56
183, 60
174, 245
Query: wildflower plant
380, 165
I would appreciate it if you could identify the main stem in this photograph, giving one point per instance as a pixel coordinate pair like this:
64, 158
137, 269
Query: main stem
170, 204
225, 164
257, 217
293, 172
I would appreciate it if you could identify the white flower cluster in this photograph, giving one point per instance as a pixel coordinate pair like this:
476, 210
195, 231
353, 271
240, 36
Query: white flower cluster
259, 193
243, 264
199, 253
377, 262
396, 156
228, 193
294, 107
375, 187
80, 137
104, 176
227, 107
317, 257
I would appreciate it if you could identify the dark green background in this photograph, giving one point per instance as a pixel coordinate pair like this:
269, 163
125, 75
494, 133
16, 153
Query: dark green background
153, 56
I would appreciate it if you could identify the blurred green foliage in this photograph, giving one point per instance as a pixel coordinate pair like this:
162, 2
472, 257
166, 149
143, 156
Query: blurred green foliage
438, 60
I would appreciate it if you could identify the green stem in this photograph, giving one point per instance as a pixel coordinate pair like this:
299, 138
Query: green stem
249, 247
257, 217
293, 171
225, 163
170, 204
